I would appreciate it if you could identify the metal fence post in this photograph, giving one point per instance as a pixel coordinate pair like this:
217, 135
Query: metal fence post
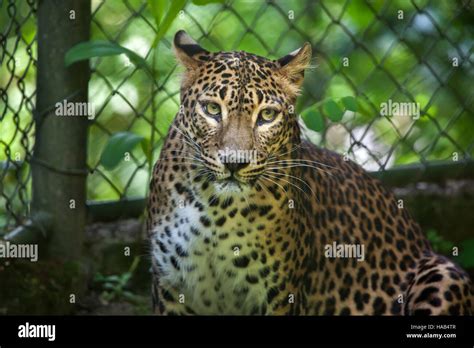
59, 160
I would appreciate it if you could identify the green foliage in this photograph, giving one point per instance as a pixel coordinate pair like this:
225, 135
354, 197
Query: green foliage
350, 103
117, 145
333, 109
158, 10
438, 243
164, 18
164, 12
115, 287
313, 119
466, 257
91, 49
443, 246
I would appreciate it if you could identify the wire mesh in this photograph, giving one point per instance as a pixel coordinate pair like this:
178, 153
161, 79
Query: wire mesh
17, 100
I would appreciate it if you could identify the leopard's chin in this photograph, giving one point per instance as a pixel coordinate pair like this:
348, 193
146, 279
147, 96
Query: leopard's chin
231, 185
227, 186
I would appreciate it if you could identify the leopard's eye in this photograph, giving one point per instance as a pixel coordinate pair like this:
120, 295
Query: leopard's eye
212, 109
267, 115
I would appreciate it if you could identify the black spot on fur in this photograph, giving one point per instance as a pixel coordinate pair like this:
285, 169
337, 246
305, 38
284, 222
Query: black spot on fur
205, 221
241, 261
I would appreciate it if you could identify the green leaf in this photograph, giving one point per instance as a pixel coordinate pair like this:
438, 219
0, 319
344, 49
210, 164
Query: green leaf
313, 119
147, 149
333, 111
109, 286
173, 11
125, 278
90, 49
28, 31
116, 147
350, 103
112, 278
158, 9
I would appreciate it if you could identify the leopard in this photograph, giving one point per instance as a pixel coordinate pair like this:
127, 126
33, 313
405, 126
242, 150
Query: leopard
246, 216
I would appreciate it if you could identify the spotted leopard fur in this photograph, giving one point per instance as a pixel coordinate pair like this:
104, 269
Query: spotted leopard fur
250, 238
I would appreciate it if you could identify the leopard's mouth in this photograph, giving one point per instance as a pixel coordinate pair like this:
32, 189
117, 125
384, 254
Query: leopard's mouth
240, 181
232, 183
233, 180
229, 185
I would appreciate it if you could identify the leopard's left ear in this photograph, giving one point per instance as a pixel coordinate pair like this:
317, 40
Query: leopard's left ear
293, 65
188, 51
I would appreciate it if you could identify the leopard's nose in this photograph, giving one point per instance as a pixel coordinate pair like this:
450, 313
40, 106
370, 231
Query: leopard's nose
234, 167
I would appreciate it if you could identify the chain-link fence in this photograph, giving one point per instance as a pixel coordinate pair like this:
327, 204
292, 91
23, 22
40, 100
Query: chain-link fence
17, 104
387, 54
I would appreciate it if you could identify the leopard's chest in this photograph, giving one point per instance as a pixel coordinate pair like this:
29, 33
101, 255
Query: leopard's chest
211, 265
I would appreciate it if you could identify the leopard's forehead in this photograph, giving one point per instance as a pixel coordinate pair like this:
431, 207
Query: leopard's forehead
244, 73
240, 60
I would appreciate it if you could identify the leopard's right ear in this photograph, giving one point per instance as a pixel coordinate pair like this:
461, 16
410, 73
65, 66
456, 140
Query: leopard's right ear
188, 51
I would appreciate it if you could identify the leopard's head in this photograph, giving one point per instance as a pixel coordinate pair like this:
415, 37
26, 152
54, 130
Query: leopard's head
238, 109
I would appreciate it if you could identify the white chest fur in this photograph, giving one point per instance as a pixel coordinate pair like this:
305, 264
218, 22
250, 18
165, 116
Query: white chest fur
213, 269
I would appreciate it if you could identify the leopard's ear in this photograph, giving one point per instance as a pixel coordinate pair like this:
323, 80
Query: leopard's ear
293, 65
188, 51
